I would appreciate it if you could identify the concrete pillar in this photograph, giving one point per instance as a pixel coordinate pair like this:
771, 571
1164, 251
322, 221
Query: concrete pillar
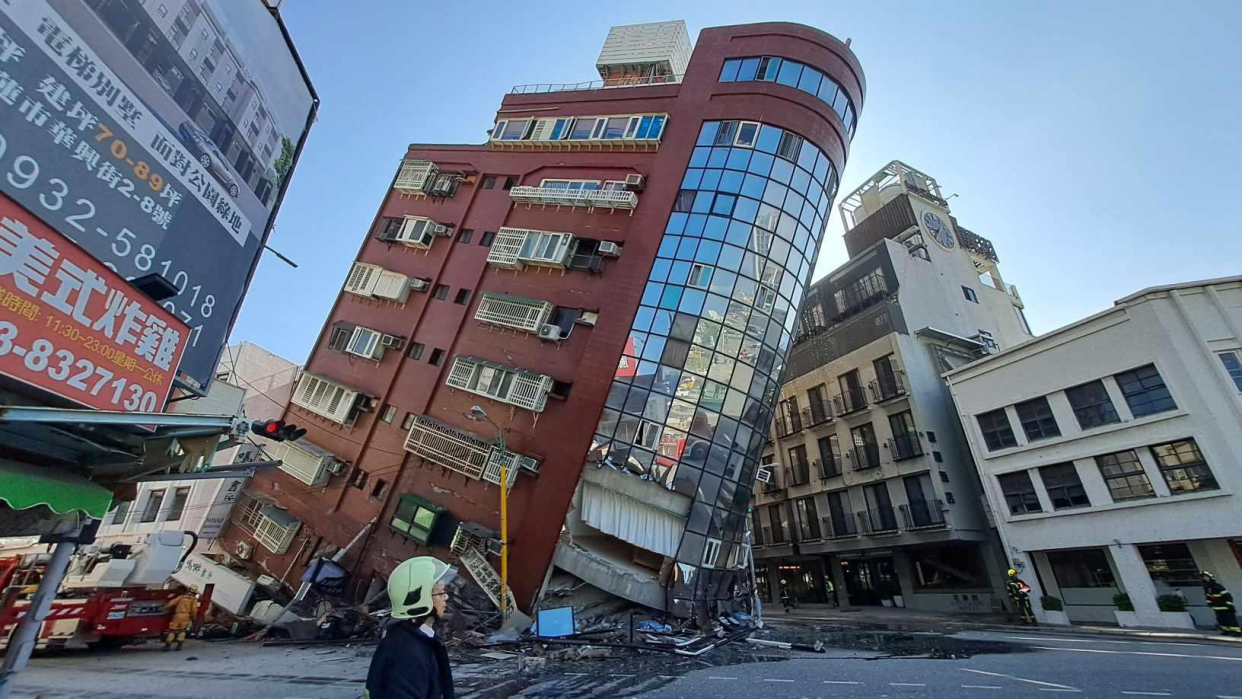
901, 568
1136, 581
838, 579
1023, 563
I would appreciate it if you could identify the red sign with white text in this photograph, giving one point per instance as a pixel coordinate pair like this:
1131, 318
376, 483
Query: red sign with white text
72, 326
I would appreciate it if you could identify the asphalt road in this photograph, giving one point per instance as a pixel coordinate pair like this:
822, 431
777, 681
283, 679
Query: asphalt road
1004, 665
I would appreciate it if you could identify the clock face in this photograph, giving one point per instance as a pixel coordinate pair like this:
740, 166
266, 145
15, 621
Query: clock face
938, 230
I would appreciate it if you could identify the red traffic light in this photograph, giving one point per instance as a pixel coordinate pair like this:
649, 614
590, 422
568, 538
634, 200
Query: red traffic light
277, 430
272, 427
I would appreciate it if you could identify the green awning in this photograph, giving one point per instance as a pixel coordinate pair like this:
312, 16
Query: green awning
23, 487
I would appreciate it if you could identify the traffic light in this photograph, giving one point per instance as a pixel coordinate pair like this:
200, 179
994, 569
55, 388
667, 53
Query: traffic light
277, 430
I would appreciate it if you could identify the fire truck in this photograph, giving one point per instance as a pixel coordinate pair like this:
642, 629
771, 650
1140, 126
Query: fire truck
112, 594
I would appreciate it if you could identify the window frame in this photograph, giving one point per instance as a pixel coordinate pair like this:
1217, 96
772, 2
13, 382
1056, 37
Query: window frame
1235, 371
994, 435
1139, 385
411, 505
1093, 409
1124, 476
1036, 426
1024, 498
1073, 494
1212, 482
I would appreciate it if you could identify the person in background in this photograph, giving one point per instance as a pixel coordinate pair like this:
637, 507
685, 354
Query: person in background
184, 608
832, 592
787, 600
410, 662
1221, 602
1020, 595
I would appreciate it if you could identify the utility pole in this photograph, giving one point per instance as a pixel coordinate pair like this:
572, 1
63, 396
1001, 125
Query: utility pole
478, 414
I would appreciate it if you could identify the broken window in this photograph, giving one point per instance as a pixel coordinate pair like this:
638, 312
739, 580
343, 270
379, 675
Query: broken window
948, 567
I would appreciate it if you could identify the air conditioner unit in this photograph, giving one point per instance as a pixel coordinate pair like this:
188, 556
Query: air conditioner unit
550, 332
392, 342
334, 467
440, 229
608, 248
419, 284
588, 318
635, 182
244, 550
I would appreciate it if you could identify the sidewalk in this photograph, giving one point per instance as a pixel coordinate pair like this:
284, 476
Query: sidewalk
915, 620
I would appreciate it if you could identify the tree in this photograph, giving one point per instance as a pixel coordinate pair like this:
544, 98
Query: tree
285, 161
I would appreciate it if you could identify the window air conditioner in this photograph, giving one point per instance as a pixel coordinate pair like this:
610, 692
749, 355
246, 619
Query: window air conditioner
419, 284
392, 342
550, 332
635, 182
440, 229
244, 550
608, 248
334, 467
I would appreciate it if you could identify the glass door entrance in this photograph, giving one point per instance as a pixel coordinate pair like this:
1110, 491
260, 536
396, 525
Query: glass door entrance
870, 580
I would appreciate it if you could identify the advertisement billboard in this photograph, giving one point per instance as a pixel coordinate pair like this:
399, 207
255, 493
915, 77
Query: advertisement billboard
75, 328
159, 136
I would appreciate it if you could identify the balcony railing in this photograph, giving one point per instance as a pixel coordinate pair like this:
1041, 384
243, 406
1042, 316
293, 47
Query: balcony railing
888, 386
587, 198
923, 514
839, 528
905, 446
866, 457
636, 81
788, 424
828, 468
818, 414
799, 473
878, 520
850, 401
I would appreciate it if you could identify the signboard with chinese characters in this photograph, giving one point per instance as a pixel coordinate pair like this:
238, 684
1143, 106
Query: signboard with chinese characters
218, 514
159, 137
231, 591
73, 327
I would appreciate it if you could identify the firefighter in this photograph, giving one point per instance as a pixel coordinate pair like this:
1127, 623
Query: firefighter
1020, 595
184, 608
787, 600
410, 662
1221, 602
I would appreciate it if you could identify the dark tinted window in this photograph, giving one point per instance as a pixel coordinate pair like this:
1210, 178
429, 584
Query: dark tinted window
1064, 486
1019, 493
1145, 391
1091, 404
997, 433
1037, 420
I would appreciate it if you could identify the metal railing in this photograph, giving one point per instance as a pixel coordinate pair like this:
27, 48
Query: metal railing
878, 520
905, 446
590, 198
888, 386
607, 84
866, 457
840, 528
850, 401
922, 514
828, 468
799, 472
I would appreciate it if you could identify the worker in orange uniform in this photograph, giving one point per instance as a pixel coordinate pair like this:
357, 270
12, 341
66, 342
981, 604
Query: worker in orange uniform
184, 608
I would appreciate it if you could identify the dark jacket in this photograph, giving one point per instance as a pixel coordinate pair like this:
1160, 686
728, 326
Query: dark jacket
409, 664
1218, 597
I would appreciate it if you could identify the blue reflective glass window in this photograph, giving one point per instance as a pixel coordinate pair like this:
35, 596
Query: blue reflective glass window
668, 245
685, 251
708, 252
821, 168
715, 307
657, 126
849, 118
806, 159
801, 181
739, 158
722, 283
659, 270
779, 252
739, 233
642, 319
694, 226
651, 294
644, 128
760, 164
718, 157
711, 179
754, 185
828, 90
679, 273
655, 344
775, 193
789, 74
699, 157
745, 209
692, 301
767, 217
715, 229
707, 134
662, 322
692, 178
787, 284
782, 171
703, 202
731, 181
746, 71
839, 104
729, 72
793, 204
723, 204
769, 139
787, 225
809, 82
769, 66
670, 299
808, 215
800, 239
730, 258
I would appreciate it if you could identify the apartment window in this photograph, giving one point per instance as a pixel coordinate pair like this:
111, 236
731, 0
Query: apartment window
757, 528
416, 351
340, 335
389, 414
1081, 568
1183, 466
1232, 365
180, 497
381, 485
1064, 486
700, 276
462, 298
1019, 493
1172, 564
906, 443
839, 513
997, 433
830, 456
486, 239
880, 508
866, 451
408, 421
1036, 419
1124, 475
121, 512
437, 357
808, 519
415, 518
441, 292
780, 523
969, 293
711, 553
358, 479
464, 236
1145, 391
489, 182
510, 183
1091, 404
799, 468
152, 510
163, 10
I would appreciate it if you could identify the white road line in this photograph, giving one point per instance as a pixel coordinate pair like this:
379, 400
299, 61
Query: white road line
616, 675
982, 686
575, 674
1228, 696
1140, 652
1063, 639
906, 684
1147, 694
721, 678
768, 679
1059, 687
841, 682
1051, 689
667, 677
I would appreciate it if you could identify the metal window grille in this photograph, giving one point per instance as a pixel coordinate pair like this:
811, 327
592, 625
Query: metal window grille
513, 386
414, 175
463, 452
506, 247
513, 312
360, 278
325, 398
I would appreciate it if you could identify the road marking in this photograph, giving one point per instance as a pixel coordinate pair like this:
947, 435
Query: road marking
1147, 694
1050, 689
1228, 696
1067, 639
1140, 652
840, 682
768, 679
616, 675
667, 677
721, 678
1058, 687
981, 686
575, 674
906, 684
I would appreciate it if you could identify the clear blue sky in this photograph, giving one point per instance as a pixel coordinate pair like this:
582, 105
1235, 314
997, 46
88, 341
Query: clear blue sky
1096, 144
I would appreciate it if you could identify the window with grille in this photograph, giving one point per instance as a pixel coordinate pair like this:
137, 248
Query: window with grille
362, 278
1019, 493
463, 452
1091, 404
513, 386
1064, 486
1145, 391
275, 536
513, 312
1183, 466
1037, 420
326, 398
1124, 475
997, 433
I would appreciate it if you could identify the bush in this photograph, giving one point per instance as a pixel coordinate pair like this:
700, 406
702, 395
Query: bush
1171, 603
1050, 603
1123, 602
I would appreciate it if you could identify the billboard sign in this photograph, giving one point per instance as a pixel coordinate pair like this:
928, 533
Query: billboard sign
231, 591
158, 136
75, 328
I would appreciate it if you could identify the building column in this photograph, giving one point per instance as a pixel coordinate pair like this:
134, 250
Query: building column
901, 568
1137, 583
838, 579
1025, 565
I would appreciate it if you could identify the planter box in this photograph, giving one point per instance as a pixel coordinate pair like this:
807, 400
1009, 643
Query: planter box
1056, 618
1178, 620
1126, 619
886, 602
899, 601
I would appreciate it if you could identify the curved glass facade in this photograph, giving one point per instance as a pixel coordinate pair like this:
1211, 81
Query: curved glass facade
693, 396
774, 69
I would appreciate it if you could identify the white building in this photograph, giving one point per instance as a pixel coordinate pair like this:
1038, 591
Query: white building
876, 488
1109, 451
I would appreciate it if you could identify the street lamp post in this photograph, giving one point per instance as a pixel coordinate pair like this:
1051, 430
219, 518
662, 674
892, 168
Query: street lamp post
478, 414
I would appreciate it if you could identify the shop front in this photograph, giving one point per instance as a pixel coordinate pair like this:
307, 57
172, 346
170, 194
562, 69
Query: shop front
871, 581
